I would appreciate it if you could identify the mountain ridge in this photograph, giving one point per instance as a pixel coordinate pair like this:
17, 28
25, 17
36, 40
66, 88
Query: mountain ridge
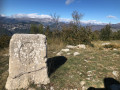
48, 21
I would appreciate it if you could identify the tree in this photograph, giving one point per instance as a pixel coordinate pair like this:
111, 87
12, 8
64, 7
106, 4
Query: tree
105, 33
55, 19
96, 35
40, 29
76, 17
116, 35
35, 29
47, 31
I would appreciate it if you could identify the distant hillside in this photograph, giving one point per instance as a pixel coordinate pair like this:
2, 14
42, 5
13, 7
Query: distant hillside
5, 32
114, 27
48, 21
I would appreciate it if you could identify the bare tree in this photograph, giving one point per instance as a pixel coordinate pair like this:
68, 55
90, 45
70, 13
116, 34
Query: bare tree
55, 19
76, 17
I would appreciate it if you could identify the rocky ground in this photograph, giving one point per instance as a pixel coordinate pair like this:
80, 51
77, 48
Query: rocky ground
76, 67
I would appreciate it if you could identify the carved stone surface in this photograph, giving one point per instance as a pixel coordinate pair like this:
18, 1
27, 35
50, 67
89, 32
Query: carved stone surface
27, 53
27, 62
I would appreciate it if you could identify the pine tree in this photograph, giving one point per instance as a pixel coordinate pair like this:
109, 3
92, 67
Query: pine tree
105, 33
40, 29
34, 29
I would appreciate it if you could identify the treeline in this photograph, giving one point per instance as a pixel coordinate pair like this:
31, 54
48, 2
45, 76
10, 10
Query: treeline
73, 34
69, 34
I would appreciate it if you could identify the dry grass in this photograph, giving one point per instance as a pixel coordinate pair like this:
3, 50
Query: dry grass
54, 45
91, 66
3, 67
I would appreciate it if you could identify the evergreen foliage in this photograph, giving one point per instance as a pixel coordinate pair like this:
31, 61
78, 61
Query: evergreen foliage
36, 29
105, 33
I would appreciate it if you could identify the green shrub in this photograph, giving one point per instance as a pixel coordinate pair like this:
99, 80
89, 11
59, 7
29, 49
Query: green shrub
4, 41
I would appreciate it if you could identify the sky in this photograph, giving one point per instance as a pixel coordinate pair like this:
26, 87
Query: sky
98, 11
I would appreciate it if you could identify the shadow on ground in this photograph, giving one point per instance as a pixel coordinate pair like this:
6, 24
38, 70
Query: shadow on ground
54, 63
109, 84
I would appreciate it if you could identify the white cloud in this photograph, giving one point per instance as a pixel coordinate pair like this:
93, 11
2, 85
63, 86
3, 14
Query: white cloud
33, 15
110, 16
93, 22
2, 15
84, 21
69, 2
65, 20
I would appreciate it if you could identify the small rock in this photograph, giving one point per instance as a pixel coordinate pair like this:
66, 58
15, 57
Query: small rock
82, 83
89, 73
71, 76
84, 88
68, 53
76, 53
51, 88
31, 89
114, 49
70, 46
115, 73
39, 85
86, 60
65, 50
81, 46
59, 53
88, 78
66, 89
105, 44
75, 89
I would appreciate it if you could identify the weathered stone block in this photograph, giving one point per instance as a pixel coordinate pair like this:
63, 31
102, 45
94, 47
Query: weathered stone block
27, 62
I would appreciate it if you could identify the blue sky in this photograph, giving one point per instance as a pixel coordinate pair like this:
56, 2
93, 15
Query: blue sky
94, 10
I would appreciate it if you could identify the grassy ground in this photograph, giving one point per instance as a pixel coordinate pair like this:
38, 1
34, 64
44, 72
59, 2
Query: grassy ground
4, 60
88, 69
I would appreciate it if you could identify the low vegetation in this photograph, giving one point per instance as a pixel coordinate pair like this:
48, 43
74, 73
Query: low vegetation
87, 69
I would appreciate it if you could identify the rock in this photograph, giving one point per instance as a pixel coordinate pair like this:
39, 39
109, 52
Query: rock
51, 88
84, 88
89, 73
66, 89
115, 73
75, 89
31, 89
65, 50
82, 83
59, 53
70, 46
27, 62
54, 52
103, 44
76, 53
39, 85
115, 49
81, 46
88, 78
68, 53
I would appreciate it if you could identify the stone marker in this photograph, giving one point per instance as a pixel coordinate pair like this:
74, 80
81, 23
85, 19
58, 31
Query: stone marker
27, 62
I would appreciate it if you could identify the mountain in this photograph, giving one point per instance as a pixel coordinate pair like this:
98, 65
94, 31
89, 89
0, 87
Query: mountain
114, 27
48, 21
